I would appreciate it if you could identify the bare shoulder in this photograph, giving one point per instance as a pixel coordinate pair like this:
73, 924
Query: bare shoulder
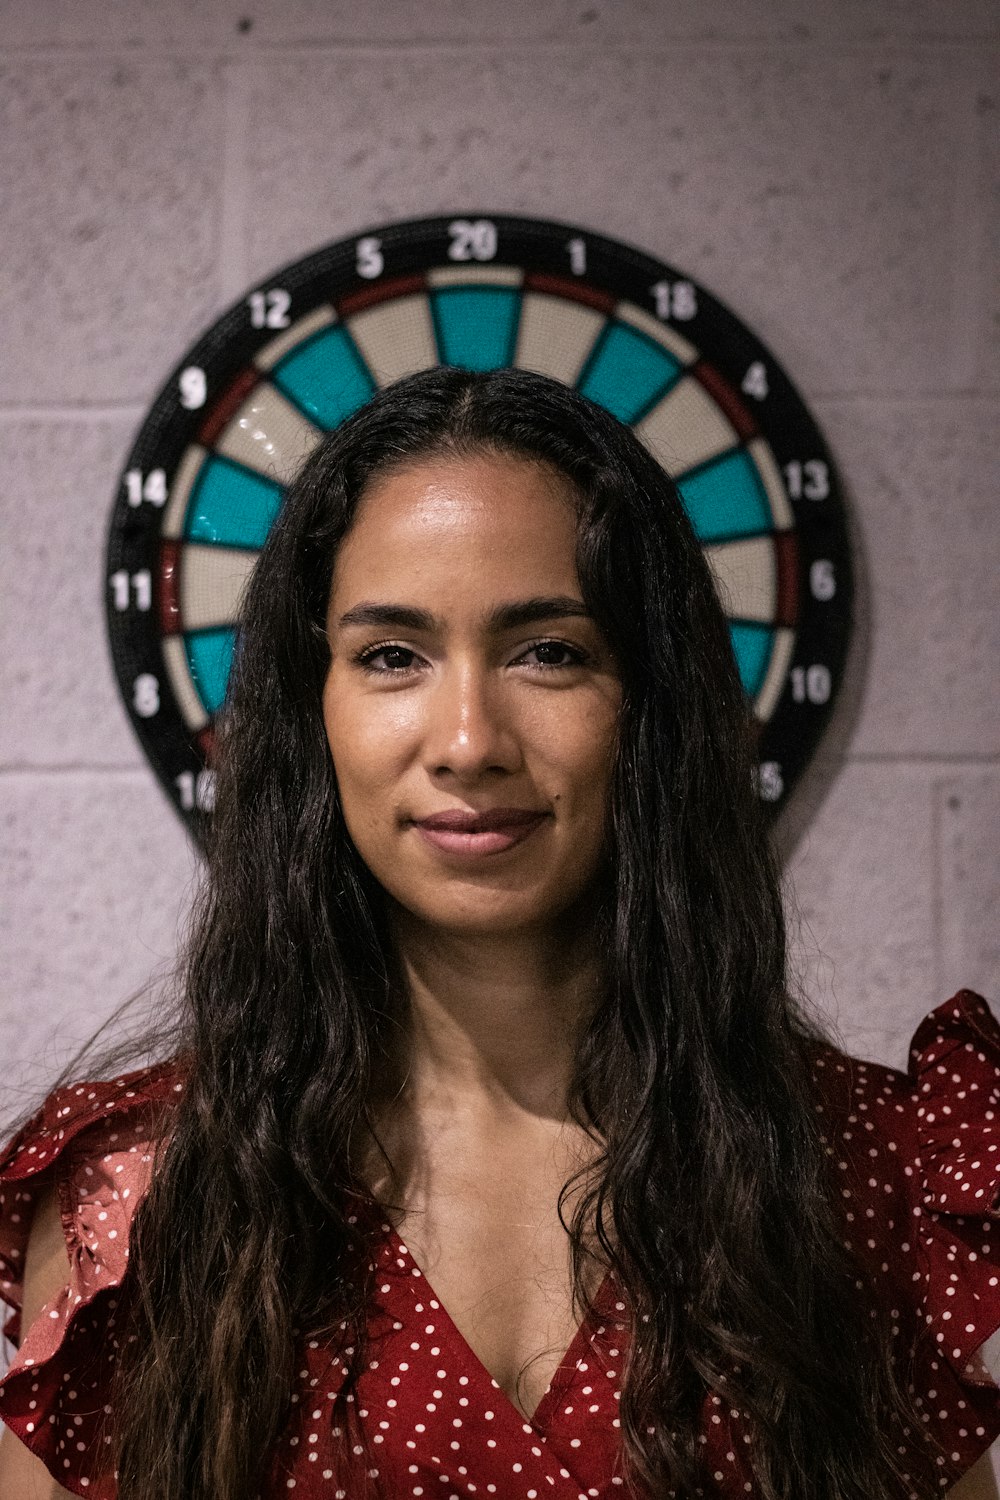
47, 1260
21, 1473
978, 1484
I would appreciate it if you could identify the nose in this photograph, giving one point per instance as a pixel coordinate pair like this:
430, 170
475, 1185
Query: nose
468, 730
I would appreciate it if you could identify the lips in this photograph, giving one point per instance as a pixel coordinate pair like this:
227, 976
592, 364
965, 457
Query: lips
490, 820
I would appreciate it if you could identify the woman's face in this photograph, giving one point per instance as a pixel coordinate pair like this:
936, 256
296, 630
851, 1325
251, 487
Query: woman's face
467, 677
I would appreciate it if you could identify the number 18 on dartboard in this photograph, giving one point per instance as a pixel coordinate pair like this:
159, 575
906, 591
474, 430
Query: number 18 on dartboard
310, 344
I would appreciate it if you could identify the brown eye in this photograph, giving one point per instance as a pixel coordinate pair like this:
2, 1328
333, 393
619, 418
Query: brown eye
550, 648
366, 659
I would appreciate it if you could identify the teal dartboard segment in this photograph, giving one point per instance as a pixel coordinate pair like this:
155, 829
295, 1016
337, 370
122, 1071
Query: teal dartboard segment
325, 377
197, 495
628, 372
230, 505
210, 658
726, 498
752, 649
476, 326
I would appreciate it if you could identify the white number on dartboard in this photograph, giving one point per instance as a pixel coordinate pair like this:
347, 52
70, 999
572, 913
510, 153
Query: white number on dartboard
770, 781
822, 579
193, 387
675, 299
151, 487
146, 695
369, 262
811, 684
809, 480
196, 791
755, 381
270, 309
141, 584
577, 256
472, 239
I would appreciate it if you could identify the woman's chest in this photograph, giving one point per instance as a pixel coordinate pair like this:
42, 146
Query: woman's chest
503, 1269
427, 1417
428, 1420
482, 1223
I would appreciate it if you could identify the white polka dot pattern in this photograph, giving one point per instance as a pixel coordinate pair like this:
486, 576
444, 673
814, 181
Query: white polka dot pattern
914, 1162
95, 1138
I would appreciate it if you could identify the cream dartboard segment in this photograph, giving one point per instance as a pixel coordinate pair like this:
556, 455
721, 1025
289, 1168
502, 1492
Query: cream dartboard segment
301, 351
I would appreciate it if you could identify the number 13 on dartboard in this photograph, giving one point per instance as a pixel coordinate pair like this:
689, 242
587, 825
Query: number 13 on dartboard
314, 340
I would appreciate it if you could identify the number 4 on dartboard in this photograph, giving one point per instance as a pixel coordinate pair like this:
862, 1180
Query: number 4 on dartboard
315, 340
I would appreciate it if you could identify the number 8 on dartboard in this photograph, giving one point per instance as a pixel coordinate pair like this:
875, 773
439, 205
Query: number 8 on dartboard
301, 351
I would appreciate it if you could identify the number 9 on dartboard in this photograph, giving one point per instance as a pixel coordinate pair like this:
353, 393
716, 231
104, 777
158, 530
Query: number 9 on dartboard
312, 342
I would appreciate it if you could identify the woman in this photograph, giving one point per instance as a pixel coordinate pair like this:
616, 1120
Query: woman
490, 1154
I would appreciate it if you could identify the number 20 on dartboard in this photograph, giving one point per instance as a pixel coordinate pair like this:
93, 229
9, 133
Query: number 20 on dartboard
314, 340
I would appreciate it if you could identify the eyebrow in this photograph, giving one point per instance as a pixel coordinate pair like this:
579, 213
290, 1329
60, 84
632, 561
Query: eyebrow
503, 617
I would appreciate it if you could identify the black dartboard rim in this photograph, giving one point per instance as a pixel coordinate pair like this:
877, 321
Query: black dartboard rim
628, 288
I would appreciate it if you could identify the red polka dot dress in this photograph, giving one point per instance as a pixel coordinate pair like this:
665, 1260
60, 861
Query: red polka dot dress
916, 1158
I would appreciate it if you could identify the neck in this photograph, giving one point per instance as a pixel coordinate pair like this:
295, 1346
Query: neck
491, 1021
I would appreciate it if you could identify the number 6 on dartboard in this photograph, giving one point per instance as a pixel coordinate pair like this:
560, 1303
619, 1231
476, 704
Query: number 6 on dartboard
309, 345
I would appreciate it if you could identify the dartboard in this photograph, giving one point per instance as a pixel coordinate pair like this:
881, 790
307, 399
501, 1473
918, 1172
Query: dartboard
310, 344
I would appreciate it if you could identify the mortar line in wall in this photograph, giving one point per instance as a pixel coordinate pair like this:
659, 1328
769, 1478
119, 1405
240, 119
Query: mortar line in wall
15, 769
223, 52
231, 278
906, 398
968, 292
40, 412
937, 894
918, 758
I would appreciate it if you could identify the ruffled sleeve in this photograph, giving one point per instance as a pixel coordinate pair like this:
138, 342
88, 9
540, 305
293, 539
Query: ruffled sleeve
915, 1162
95, 1141
955, 1068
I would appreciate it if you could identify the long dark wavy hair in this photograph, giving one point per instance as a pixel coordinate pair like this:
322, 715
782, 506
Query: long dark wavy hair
712, 1202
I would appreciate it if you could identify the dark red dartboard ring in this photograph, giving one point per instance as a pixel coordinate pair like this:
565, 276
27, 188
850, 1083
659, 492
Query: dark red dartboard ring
306, 346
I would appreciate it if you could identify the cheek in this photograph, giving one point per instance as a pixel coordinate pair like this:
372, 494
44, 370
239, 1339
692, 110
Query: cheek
369, 727
351, 718
360, 748
588, 751
365, 792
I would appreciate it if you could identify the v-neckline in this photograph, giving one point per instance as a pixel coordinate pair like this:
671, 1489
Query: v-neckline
568, 1363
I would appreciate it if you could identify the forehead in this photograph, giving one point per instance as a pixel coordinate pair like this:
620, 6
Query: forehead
502, 521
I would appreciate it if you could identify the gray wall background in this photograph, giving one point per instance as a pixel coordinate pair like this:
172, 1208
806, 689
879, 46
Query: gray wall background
830, 170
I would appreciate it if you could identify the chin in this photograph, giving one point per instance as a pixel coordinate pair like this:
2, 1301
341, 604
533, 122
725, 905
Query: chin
488, 917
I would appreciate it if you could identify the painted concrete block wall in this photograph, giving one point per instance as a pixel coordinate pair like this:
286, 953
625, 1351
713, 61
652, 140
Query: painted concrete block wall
828, 169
